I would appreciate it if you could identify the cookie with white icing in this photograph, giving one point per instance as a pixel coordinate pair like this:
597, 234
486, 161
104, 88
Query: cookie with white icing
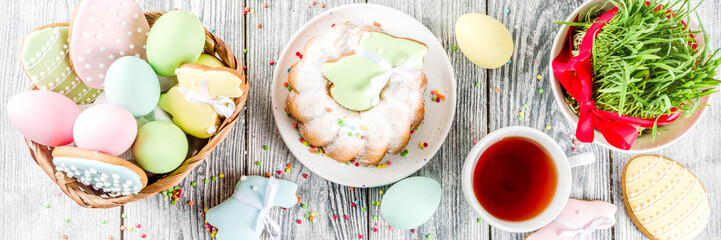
110, 174
46, 62
102, 31
664, 199
369, 116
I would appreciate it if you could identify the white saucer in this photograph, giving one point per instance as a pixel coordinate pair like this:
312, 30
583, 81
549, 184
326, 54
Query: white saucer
438, 117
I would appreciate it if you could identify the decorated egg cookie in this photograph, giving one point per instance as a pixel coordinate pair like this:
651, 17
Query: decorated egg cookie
214, 82
176, 38
244, 215
664, 199
44, 117
197, 119
101, 32
46, 62
104, 172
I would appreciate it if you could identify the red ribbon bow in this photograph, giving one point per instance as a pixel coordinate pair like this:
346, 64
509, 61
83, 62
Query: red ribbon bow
574, 74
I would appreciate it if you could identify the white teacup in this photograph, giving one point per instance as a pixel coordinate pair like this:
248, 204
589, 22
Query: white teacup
562, 163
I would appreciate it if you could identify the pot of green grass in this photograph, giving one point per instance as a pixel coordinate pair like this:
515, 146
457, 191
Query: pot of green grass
636, 100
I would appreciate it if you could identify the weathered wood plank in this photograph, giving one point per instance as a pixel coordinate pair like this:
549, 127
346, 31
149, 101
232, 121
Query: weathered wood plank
531, 25
454, 218
160, 219
279, 23
26, 187
699, 151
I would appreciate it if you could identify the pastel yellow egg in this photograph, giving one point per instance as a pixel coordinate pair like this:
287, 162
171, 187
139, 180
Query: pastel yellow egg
484, 40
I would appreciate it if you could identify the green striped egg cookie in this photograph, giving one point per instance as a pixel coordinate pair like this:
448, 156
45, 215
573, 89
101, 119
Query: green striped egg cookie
47, 64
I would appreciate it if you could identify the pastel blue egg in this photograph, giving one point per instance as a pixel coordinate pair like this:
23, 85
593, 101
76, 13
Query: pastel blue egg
411, 202
131, 83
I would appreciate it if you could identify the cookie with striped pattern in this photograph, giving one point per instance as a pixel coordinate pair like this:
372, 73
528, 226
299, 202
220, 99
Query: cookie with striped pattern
46, 62
664, 199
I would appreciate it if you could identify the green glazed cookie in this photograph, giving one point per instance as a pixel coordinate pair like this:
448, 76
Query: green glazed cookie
46, 62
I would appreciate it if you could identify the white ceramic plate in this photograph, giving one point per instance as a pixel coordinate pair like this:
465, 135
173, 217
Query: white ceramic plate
438, 118
645, 143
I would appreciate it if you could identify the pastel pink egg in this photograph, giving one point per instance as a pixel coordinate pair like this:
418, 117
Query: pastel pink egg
102, 31
45, 117
106, 128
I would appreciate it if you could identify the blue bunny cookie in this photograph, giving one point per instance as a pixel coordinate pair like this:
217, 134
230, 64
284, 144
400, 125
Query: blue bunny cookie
243, 216
110, 174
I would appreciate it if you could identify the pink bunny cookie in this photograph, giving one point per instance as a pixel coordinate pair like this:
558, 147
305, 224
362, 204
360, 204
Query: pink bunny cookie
102, 31
578, 219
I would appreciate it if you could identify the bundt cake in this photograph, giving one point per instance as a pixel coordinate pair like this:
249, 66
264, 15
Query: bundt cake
357, 92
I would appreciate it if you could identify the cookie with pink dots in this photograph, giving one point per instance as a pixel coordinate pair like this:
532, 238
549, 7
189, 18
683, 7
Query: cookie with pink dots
101, 32
578, 219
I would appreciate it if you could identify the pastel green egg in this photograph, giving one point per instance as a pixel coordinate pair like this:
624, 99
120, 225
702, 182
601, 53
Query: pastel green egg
411, 202
209, 60
176, 38
131, 83
160, 147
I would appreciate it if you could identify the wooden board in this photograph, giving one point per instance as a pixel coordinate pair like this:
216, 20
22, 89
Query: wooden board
480, 109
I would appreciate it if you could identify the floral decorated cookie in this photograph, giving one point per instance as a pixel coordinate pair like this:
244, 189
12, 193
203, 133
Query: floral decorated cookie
243, 216
664, 199
102, 31
45, 60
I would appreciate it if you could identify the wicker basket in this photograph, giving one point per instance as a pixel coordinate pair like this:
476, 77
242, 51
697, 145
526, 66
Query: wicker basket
86, 196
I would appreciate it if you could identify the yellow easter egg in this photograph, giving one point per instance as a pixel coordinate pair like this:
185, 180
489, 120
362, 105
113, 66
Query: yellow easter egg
484, 40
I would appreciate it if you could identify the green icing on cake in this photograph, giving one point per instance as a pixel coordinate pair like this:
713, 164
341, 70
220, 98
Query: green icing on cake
351, 75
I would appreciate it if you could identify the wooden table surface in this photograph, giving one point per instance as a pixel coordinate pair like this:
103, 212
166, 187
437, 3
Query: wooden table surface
26, 189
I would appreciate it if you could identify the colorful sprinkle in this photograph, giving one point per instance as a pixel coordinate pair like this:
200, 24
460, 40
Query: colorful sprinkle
404, 153
257, 163
548, 127
191, 184
305, 176
321, 5
478, 84
539, 77
272, 62
454, 48
221, 175
47, 205
506, 11
497, 90
266, 147
67, 220
259, 26
206, 181
429, 236
304, 206
124, 215
298, 221
380, 192
540, 90
312, 2
264, 5
478, 220
346, 217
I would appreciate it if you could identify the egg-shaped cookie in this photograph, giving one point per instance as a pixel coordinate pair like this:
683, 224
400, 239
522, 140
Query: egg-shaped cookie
664, 199
46, 62
102, 31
